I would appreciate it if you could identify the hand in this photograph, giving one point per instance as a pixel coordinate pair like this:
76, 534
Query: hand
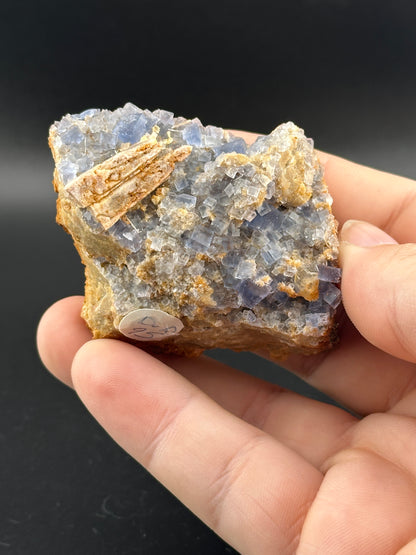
269, 470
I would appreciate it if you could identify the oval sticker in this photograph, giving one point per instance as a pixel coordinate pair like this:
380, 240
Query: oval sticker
148, 324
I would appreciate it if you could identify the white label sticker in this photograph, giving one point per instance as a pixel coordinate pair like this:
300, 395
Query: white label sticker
147, 324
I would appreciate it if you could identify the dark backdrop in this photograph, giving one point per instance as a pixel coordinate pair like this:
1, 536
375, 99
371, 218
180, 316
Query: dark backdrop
341, 69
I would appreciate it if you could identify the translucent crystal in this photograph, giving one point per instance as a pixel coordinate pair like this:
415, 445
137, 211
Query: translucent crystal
252, 294
329, 273
200, 239
246, 269
332, 295
232, 234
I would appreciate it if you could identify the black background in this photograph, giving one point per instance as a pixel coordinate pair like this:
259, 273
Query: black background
343, 70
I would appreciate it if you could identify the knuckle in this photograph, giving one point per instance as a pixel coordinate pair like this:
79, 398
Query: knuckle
159, 431
261, 404
223, 490
102, 385
234, 483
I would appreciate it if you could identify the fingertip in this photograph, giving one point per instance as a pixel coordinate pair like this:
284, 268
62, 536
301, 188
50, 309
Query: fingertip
356, 238
61, 332
378, 292
104, 370
364, 234
125, 389
96, 365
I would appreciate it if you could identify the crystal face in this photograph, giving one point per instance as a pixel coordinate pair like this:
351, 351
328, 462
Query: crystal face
236, 241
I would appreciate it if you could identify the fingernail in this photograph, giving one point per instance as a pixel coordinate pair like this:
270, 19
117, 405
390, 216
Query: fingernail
363, 234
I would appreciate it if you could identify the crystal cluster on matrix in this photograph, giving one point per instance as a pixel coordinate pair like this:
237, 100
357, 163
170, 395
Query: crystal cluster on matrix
234, 237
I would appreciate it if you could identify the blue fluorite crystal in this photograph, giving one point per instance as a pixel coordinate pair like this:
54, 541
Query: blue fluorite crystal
251, 293
192, 134
224, 214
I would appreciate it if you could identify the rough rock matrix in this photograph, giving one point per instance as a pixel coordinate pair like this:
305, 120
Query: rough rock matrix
193, 240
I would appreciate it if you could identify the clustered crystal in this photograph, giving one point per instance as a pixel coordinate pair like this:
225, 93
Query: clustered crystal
219, 233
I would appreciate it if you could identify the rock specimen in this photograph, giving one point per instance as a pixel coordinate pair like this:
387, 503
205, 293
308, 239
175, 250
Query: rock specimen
191, 239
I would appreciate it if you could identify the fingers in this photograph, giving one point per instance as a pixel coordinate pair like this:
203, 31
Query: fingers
357, 375
310, 428
231, 474
378, 288
379, 296
366, 504
252, 490
286, 416
61, 332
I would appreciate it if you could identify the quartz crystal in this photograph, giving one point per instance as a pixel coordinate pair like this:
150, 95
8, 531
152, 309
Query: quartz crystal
192, 239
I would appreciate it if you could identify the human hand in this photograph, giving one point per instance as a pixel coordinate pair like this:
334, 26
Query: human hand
269, 470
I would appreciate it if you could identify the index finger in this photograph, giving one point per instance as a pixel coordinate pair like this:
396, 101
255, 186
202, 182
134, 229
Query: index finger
362, 193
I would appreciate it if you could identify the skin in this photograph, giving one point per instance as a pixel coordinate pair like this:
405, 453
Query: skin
269, 470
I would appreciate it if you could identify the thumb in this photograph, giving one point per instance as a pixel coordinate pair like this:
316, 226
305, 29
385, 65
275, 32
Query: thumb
379, 287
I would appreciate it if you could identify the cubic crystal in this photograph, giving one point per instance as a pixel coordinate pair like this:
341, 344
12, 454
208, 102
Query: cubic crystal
236, 241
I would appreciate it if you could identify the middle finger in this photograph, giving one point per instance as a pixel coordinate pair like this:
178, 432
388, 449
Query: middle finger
311, 428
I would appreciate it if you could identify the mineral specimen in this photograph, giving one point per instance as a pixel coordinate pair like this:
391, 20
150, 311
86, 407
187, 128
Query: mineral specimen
191, 239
